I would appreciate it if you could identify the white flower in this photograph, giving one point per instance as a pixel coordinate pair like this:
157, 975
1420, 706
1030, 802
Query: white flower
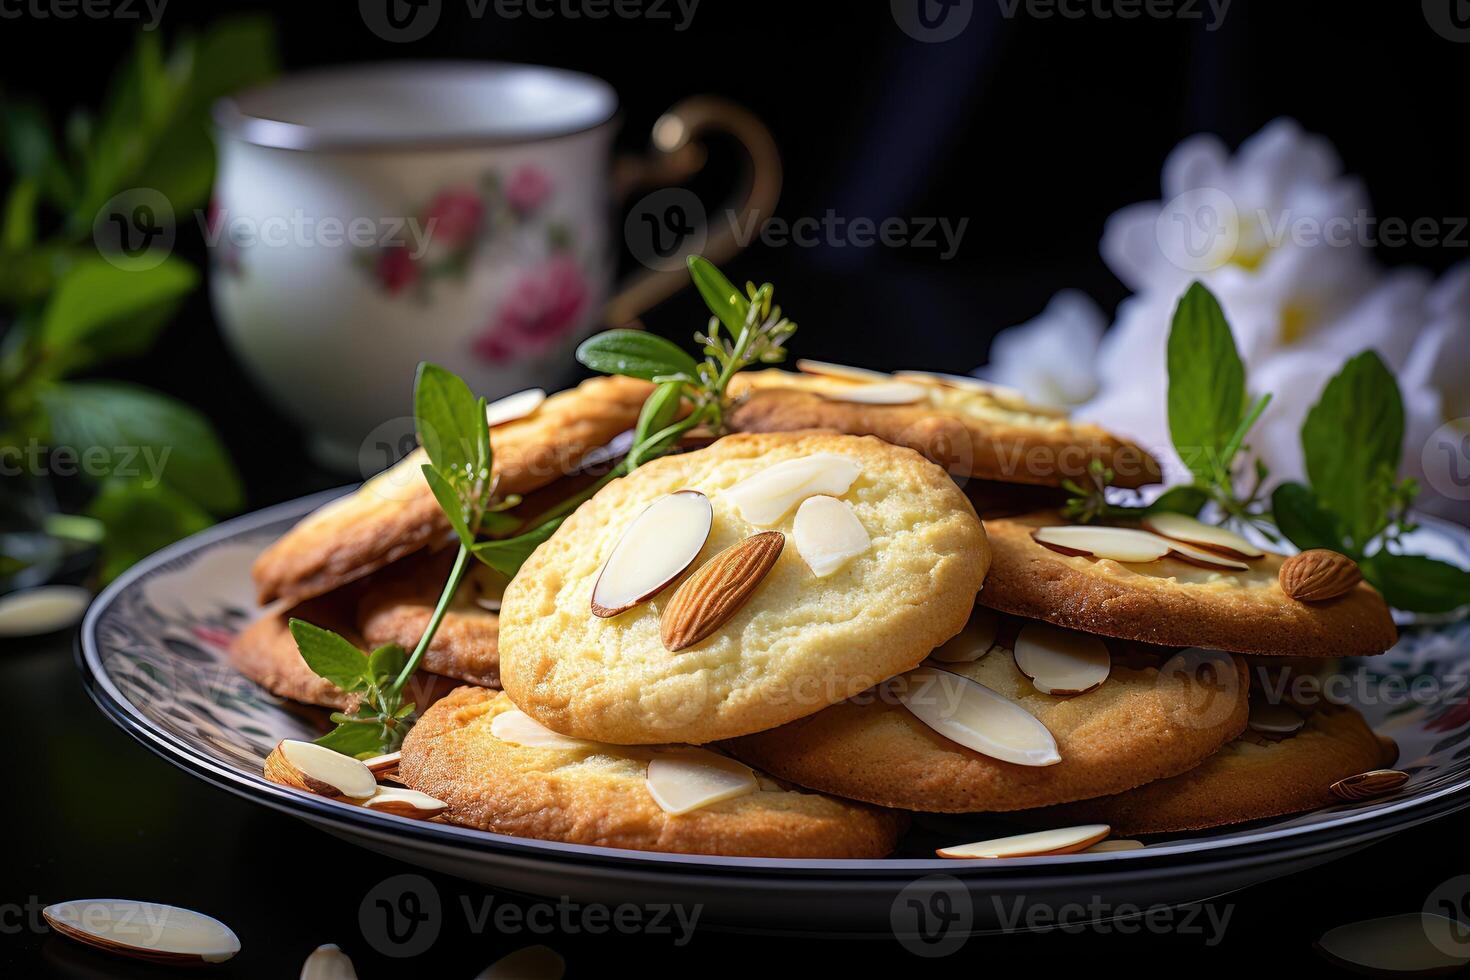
1050, 358
1435, 382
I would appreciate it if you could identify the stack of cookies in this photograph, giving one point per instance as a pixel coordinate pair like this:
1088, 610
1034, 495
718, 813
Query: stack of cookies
783, 643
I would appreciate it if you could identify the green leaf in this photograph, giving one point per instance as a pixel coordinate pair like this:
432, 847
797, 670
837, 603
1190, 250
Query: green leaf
355, 739
451, 503
658, 410
1352, 440
18, 230
94, 297
1416, 583
385, 662
1300, 517
451, 422
140, 519
509, 554
1206, 384
140, 434
330, 656
724, 300
1187, 500
636, 354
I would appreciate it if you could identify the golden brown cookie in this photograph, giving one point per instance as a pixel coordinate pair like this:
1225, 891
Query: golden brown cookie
1141, 724
970, 429
395, 514
266, 652
1174, 603
1252, 778
596, 794
799, 643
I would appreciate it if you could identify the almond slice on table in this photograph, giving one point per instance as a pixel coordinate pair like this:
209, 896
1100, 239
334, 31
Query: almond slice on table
880, 393
526, 963
1367, 785
405, 803
684, 780
328, 963
1062, 662
972, 715
972, 642
1181, 527
707, 599
513, 407
1063, 840
828, 534
843, 371
1417, 944
655, 549
1273, 719
1111, 846
320, 770
1118, 543
519, 728
765, 498
144, 930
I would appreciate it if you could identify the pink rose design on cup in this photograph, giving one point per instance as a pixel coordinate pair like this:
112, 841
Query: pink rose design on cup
395, 269
542, 308
453, 217
527, 189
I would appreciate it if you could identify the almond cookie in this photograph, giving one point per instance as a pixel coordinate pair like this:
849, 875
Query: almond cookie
1147, 718
266, 652
1252, 778
824, 564
501, 772
1176, 601
395, 514
968, 427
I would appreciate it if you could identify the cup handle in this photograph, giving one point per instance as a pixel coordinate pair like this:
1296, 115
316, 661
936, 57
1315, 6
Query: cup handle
678, 153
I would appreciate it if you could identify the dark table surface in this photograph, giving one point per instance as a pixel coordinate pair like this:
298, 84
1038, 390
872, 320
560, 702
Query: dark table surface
91, 814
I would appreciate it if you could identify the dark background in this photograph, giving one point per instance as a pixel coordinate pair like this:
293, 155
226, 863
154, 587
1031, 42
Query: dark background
1036, 129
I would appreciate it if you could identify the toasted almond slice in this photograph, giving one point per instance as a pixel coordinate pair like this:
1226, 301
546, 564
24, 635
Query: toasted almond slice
972, 642
881, 393
144, 930
1064, 840
1274, 719
766, 497
380, 765
843, 371
527, 963
1062, 662
328, 963
715, 592
1181, 527
682, 780
828, 534
519, 728
512, 407
1203, 557
1367, 785
318, 769
1012, 398
1112, 845
1118, 543
405, 803
971, 714
655, 549
1415, 944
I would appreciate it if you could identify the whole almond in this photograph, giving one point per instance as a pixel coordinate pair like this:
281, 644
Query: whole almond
1366, 785
718, 589
1318, 574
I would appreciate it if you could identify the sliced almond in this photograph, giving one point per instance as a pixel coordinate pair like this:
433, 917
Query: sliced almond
1064, 840
1181, 527
144, 930
880, 393
382, 765
519, 728
1011, 398
766, 497
328, 963
972, 715
972, 642
1415, 944
512, 407
687, 779
1062, 662
1274, 719
1367, 785
1112, 845
707, 599
1118, 543
527, 963
843, 371
828, 534
405, 803
654, 550
1204, 558
318, 769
